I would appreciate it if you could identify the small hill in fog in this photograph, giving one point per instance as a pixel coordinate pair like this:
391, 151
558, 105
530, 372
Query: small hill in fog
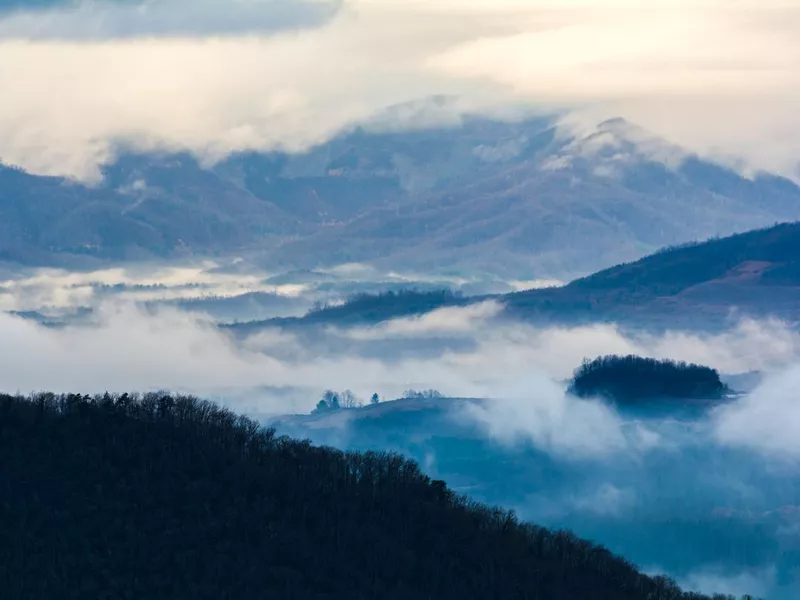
633, 379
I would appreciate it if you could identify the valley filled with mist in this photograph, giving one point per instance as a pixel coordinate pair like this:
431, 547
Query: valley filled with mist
703, 492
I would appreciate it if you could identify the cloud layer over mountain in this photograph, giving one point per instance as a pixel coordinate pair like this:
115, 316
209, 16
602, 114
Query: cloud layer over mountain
83, 77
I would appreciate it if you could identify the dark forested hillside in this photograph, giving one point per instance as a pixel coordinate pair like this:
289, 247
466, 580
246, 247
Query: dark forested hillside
172, 497
632, 379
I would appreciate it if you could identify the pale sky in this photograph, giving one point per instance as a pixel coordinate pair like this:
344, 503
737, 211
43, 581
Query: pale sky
215, 76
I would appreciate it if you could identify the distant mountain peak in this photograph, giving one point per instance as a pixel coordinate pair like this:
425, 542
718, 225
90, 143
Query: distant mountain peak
616, 144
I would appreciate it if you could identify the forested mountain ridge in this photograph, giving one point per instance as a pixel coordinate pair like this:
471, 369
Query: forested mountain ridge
755, 273
764, 256
694, 285
163, 496
482, 196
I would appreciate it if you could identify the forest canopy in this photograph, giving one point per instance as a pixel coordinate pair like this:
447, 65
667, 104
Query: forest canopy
162, 496
630, 379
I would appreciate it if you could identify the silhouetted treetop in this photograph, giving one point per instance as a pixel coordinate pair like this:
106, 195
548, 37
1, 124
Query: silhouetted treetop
628, 379
162, 496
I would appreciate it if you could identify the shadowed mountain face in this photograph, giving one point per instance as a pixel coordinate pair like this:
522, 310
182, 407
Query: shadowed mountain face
523, 199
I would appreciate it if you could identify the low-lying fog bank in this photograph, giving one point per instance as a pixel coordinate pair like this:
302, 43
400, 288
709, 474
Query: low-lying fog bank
231, 290
712, 497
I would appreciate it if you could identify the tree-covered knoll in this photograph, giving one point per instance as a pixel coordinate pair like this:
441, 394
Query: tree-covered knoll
630, 379
162, 496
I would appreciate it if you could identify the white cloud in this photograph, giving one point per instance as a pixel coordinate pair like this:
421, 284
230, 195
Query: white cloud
51, 288
611, 143
624, 53
447, 321
539, 412
767, 345
720, 78
751, 131
767, 420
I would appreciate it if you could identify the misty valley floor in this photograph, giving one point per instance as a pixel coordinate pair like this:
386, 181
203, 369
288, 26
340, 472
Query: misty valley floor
706, 495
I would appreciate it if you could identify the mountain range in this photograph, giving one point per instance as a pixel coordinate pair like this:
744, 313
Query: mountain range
525, 199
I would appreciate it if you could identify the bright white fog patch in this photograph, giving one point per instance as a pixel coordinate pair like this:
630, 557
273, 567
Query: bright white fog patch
552, 421
767, 420
126, 348
44, 289
443, 321
509, 351
129, 349
535, 409
750, 346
